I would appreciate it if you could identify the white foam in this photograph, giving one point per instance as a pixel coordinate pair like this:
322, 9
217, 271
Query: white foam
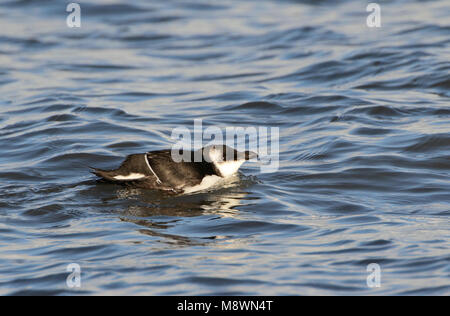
131, 176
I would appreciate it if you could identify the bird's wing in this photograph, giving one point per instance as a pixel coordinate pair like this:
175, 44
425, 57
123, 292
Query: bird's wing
133, 168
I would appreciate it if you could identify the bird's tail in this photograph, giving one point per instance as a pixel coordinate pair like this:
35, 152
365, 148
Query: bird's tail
108, 175
132, 169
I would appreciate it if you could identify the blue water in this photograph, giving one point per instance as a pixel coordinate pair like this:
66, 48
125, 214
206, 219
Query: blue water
364, 122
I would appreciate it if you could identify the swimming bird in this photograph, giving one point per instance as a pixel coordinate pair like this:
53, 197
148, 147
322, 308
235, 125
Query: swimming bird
158, 170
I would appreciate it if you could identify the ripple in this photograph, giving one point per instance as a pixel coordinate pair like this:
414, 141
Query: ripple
366, 131
256, 106
114, 9
430, 143
93, 67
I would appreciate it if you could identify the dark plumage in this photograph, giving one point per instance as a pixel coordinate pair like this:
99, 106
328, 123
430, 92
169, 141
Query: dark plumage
158, 171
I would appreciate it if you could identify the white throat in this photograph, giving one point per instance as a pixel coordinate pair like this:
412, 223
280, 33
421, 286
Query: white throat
228, 168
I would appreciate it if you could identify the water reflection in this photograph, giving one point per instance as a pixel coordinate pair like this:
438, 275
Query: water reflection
158, 215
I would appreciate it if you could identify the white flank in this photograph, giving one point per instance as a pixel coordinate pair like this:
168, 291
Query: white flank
207, 182
131, 176
229, 168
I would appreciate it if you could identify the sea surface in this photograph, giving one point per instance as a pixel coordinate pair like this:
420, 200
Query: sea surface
364, 172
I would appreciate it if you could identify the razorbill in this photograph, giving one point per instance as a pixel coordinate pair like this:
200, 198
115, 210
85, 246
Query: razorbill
157, 170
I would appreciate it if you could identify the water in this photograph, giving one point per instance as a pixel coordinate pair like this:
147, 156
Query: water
365, 146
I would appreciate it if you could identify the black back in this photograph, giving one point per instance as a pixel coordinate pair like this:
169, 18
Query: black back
179, 174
